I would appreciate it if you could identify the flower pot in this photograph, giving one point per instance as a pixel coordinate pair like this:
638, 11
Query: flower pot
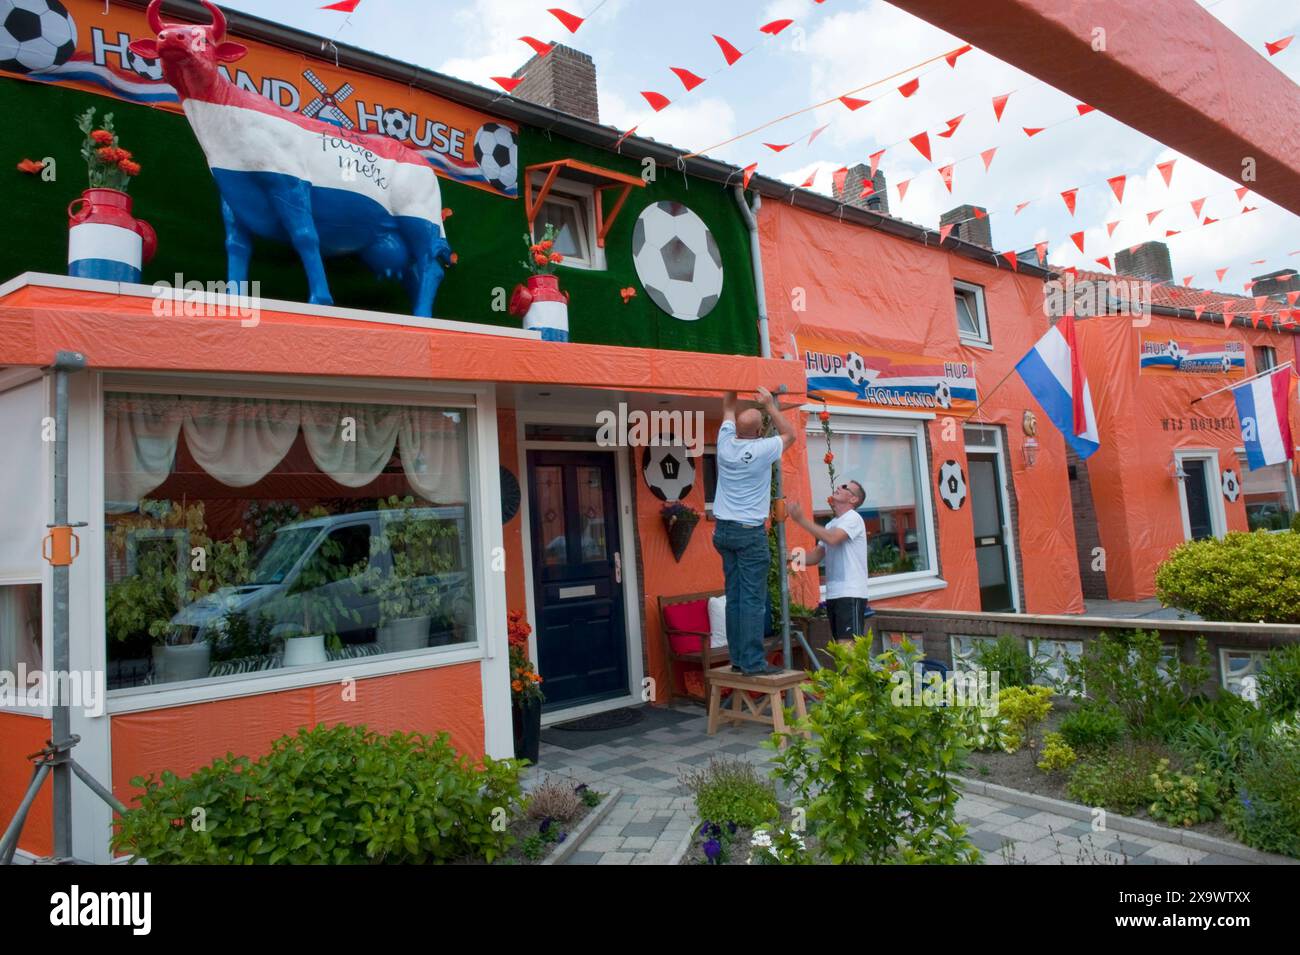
543, 307
680, 527
411, 633
104, 240
528, 729
189, 661
301, 651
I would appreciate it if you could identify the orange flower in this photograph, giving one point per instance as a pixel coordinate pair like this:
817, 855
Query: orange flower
30, 166
517, 686
129, 167
123, 154
546, 245
824, 416
107, 154
556, 257
539, 259
829, 457
102, 137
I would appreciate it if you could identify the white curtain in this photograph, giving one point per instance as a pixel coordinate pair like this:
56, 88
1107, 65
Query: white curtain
883, 464
433, 453
239, 440
140, 434
352, 443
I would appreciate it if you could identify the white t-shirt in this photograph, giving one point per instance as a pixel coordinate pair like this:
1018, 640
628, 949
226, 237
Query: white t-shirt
846, 563
744, 491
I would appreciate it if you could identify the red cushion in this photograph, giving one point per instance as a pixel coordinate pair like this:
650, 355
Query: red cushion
693, 615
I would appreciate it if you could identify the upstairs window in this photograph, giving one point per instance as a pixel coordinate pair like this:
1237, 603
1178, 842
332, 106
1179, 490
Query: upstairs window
1265, 358
574, 224
972, 320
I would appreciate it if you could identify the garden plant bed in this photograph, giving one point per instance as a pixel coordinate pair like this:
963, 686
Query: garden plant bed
736, 846
539, 841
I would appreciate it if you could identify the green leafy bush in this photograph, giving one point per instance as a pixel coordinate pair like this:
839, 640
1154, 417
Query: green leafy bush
1279, 682
1119, 780
327, 796
981, 730
1131, 673
1010, 659
876, 779
1221, 735
1092, 726
730, 790
1266, 811
1240, 577
1022, 708
1057, 754
1183, 799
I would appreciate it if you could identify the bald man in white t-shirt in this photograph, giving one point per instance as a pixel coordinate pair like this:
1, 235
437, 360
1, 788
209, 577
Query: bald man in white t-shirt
842, 546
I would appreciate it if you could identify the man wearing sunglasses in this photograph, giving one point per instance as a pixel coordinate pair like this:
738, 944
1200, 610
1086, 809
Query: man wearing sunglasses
842, 544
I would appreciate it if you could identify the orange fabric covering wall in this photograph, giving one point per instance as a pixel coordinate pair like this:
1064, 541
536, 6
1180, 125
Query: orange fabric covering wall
863, 286
1139, 516
19, 737
183, 738
512, 530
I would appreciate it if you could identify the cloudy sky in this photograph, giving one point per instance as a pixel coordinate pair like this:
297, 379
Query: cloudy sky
841, 45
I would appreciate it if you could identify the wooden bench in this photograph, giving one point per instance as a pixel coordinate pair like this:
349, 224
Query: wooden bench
768, 709
706, 657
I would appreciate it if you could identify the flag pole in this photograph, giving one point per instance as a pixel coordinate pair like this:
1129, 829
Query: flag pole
1238, 384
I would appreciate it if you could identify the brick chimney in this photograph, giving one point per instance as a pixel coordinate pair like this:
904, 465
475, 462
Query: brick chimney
967, 227
1149, 261
851, 195
1276, 283
564, 79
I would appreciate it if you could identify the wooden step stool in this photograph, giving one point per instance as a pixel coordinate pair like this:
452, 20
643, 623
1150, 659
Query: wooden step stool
767, 709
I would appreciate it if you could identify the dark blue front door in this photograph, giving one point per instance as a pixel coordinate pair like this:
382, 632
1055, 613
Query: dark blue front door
578, 593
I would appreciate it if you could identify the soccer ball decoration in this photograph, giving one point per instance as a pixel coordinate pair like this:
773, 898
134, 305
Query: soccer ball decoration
35, 35
1226, 362
856, 369
144, 67
497, 154
1231, 485
943, 395
677, 260
396, 123
668, 472
1175, 353
952, 485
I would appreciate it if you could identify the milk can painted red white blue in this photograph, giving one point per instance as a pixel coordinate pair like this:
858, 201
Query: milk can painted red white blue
543, 307
104, 240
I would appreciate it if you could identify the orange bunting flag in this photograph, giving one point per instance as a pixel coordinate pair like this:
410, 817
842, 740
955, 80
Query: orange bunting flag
910, 87
622, 138
1197, 310
747, 174
540, 47
1227, 315
1167, 169
777, 147
1246, 209
1116, 184
952, 126
868, 188
1277, 46
944, 230
922, 143
1248, 285
1078, 239
837, 179
1241, 193
875, 161
1104, 260
1040, 248
1291, 297
1084, 109
1258, 261
1254, 319
1069, 196
729, 52
952, 57
1260, 300
775, 27
1187, 281
999, 104
807, 183
657, 101
1110, 227
1170, 233
987, 156
1032, 131
1151, 216
1196, 206
980, 213
945, 173
817, 132
1011, 258
1220, 273
1209, 221
507, 83
571, 22
853, 103
689, 79
902, 188
1020, 206
343, 6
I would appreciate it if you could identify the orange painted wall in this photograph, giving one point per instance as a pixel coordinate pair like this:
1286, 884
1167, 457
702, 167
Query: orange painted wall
1139, 516
183, 738
863, 286
20, 736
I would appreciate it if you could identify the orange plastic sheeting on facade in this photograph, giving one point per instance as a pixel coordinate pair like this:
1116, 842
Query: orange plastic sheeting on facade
20, 736
1143, 418
122, 332
184, 738
512, 531
856, 285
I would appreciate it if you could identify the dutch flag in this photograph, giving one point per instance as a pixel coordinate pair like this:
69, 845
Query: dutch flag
1053, 373
1265, 418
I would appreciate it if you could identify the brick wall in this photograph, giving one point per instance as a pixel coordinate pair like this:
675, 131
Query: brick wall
1086, 534
564, 79
855, 179
965, 226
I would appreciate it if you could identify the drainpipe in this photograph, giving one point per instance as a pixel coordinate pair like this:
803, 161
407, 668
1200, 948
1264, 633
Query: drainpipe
765, 350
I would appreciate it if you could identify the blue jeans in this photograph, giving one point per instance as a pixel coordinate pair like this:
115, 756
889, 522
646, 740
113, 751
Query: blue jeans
745, 559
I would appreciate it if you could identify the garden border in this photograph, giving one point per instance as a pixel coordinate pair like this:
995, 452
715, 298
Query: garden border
1120, 823
683, 847
560, 854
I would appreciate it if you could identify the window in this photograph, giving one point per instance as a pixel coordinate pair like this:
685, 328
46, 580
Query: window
247, 534
972, 321
889, 463
1269, 493
20, 632
709, 468
568, 207
1265, 358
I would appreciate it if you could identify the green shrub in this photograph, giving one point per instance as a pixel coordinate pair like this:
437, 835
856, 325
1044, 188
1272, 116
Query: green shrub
1010, 659
875, 778
981, 730
1022, 708
1119, 780
1266, 811
327, 796
730, 790
1295, 524
1057, 754
1093, 726
1130, 673
1221, 735
1240, 577
1279, 682
1183, 799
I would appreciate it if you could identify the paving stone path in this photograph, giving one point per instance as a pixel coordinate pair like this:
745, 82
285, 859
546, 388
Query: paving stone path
656, 812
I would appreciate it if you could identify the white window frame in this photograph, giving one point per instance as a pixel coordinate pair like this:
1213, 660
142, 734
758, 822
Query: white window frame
1255, 355
1009, 539
1243, 465
1218, 516
582, 196
976, 292
853, 421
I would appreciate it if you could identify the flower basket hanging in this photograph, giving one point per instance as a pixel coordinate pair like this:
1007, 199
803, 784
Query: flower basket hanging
679, 522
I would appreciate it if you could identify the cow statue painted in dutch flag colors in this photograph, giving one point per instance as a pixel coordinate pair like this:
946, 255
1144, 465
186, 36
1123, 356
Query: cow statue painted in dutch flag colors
326, 190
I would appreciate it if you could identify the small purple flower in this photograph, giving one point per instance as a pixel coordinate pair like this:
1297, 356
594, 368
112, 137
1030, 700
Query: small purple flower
580, 788
731, 827
712, 850
563, 836
545, 825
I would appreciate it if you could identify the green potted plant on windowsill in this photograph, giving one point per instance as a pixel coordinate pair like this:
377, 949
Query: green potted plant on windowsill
408, 559
323, 610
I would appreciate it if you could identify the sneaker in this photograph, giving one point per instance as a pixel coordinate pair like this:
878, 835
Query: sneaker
766, 670
736, 669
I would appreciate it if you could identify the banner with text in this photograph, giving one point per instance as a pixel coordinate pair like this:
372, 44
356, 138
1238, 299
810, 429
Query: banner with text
875, 378
1162, 355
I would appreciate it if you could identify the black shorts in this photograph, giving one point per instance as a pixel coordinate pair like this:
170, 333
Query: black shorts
847, 616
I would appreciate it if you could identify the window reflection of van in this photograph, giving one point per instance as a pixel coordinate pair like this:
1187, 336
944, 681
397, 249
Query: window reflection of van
337, 552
